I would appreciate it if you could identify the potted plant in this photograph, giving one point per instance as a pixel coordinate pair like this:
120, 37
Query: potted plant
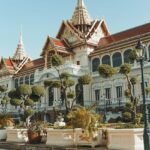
37, 132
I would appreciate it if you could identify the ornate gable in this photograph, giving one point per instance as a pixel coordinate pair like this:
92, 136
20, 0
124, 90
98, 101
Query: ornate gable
81, 29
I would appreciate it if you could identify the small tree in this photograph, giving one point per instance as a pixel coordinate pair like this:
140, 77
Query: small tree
129, 93
64, 83
26, 96
106, 71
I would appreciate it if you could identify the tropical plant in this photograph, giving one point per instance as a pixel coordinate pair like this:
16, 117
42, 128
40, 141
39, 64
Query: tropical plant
84, 118
6, 120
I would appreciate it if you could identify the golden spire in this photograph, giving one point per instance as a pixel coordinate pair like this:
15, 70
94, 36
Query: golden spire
20, 52
81, 16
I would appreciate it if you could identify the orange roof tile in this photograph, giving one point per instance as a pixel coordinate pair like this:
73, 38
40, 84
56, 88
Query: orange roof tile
9, 62
125, 34
58, 43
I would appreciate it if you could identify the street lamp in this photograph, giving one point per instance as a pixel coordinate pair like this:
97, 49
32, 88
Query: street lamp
140, 52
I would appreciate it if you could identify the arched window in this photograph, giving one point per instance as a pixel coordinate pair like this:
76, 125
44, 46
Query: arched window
51, 96
79, 94
95, 64
27, 80
16, 83
106, 60
32, 79
117, 61
126, 56
21, 80
149, 51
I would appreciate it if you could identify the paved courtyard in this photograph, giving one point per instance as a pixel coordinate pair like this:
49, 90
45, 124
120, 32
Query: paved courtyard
23, 146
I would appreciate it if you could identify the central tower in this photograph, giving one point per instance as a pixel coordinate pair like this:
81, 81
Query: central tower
81, 19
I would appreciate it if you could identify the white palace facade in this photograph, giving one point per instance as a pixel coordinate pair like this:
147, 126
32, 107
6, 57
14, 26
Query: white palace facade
84, 43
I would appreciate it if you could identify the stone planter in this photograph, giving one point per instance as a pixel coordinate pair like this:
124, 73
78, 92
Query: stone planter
125, 139
60, 137
81, 139
17, 135
70, 137
3, 134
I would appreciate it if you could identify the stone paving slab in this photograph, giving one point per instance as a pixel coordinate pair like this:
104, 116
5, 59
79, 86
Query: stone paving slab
25, 146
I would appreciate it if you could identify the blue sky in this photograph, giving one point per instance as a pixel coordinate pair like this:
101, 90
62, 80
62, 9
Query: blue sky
40, 18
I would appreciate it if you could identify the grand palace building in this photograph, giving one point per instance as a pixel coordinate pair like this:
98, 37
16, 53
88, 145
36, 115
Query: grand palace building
84, 44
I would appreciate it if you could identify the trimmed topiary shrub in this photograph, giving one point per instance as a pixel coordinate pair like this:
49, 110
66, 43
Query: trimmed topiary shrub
15, 102
85, 79
68, 83
71, 94
28, 112
48, 83
57, 60
132, 55
106, 70
125, 69
38, 90
24, 90
127, 93
133, 80
65, 75
56, 84
29, 102
127, 117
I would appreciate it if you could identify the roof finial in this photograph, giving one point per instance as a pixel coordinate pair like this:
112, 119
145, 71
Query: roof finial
20, 39
81, 3
20, 52
81, 16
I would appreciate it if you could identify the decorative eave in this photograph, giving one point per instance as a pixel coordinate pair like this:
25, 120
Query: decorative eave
7, 67
55, 45
71, 28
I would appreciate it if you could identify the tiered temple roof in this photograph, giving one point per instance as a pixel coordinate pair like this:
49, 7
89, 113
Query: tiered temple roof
81, 16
